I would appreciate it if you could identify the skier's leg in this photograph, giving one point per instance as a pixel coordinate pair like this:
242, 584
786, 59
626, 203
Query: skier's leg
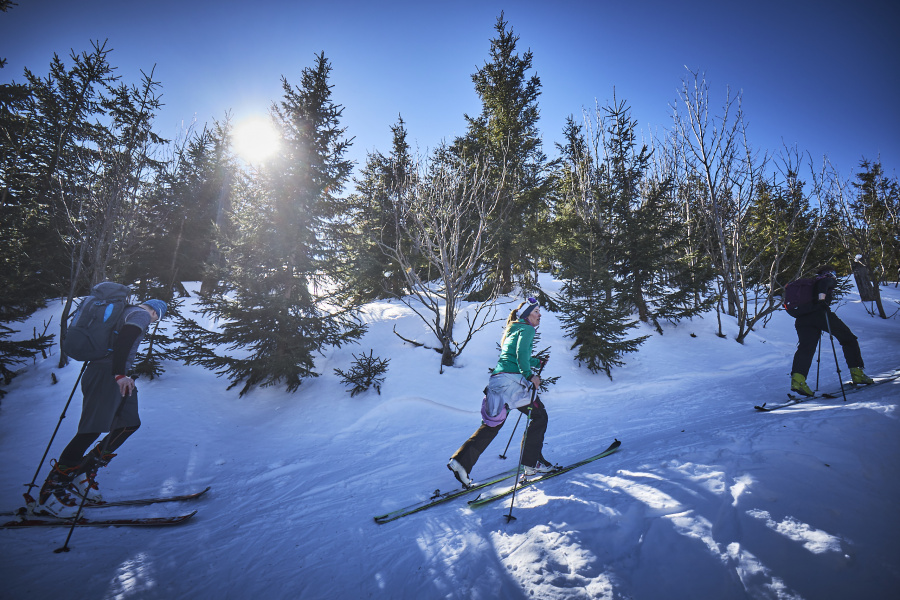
73, 453
849, 342
471, 450
534, 440
808, 334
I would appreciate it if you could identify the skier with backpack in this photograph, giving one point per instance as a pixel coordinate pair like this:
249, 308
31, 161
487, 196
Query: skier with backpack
512, 385
105, 332
808, 301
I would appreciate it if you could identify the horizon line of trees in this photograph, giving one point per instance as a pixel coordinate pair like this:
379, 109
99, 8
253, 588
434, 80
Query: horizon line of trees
287, 251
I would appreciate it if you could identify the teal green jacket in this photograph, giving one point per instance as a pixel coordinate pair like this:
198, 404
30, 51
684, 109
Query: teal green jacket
515, 354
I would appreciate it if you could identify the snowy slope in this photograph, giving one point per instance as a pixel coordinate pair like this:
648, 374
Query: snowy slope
706, 498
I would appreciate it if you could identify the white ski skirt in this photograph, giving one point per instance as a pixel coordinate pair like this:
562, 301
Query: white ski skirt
505, 391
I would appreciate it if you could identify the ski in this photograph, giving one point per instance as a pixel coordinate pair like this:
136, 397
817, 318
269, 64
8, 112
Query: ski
525, 483
440, 498
145, 501
46, 521
131, 502
849, 388
766, 407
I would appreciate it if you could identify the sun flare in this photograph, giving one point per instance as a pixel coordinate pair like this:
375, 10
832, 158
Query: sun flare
255, 139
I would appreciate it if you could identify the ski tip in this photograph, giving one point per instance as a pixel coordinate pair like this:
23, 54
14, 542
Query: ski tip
183, 518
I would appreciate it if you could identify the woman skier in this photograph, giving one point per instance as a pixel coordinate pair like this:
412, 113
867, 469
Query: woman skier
511, 386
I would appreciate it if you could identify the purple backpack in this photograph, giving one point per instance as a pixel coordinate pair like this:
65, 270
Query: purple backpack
799, 296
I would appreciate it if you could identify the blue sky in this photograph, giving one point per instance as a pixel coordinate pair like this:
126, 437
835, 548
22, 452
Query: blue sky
822, 75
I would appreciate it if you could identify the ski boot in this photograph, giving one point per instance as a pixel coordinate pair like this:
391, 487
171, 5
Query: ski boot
539, 469
460, 473
54, 499
859, 377
543, 461
84, 485
798, 384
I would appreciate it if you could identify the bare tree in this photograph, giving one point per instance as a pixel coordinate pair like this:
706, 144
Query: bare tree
755, 254
442, 217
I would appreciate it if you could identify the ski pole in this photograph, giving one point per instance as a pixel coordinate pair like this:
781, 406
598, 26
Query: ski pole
512, 502
32, 485
509, 517
818, 360
65, 546
836, 364
503, 456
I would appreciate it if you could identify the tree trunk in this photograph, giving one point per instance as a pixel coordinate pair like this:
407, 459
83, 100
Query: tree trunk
865, 287
210, 282
878, 302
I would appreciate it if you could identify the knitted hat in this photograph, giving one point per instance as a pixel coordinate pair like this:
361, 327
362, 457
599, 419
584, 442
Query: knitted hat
158, 306
531, 304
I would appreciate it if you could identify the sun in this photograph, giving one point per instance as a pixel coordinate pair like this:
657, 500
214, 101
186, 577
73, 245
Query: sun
255, 139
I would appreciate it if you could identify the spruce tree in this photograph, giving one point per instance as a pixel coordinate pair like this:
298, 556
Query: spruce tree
51, 177
506, 133
277, 306
21, 287
872, 226
179, 221
372, 223
591, 312
780, 228
79, 174
595, 321
646, 236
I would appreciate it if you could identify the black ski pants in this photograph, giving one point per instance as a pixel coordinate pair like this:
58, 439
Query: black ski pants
471, 450
810, 328
74, 453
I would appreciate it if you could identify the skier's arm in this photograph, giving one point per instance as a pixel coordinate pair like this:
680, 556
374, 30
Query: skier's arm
121, 349
524, 347
823, 291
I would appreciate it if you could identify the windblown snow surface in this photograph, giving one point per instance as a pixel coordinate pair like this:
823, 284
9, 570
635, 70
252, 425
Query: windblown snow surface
706, 499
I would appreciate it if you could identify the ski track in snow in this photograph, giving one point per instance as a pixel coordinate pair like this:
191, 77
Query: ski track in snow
706, 498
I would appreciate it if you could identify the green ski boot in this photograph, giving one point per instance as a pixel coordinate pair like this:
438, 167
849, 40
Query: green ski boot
860, 378
798, 384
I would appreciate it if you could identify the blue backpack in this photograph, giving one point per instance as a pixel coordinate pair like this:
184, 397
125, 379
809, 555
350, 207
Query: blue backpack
93, 330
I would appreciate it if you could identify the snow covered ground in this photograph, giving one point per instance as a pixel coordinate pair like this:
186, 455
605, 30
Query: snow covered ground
706, 499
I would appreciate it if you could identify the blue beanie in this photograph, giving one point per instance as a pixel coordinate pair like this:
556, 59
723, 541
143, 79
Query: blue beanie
158, 306
531, 304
